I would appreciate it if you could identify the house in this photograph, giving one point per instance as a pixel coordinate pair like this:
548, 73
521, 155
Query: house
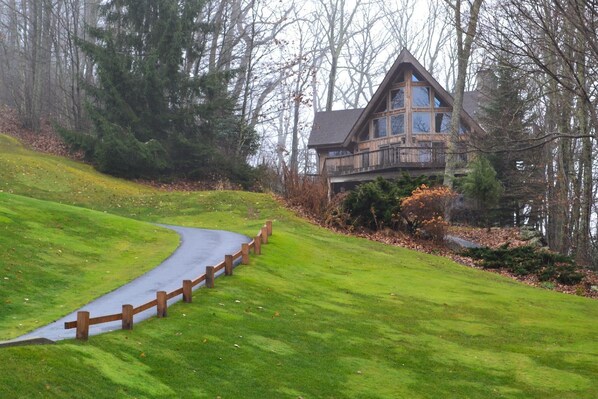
403, 129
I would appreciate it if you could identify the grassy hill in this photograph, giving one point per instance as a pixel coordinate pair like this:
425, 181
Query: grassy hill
319, 315
56, 258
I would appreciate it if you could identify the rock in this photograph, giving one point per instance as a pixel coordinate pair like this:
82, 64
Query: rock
537, 242
528, 233
458, 244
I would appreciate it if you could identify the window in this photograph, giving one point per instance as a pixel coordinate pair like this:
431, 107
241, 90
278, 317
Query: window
463, 128
379, 127
400, 77
397, 98
338, 153
443, 122
421, 122
438, 103
365, 135
382, 107
421, 96
397, 124
416, 77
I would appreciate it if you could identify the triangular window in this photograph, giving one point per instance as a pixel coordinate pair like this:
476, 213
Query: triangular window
439, 103
416, 77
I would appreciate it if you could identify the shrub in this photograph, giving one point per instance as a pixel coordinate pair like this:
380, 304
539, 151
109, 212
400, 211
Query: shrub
308, 192
376, 204
526, 260
425, 210
336, 215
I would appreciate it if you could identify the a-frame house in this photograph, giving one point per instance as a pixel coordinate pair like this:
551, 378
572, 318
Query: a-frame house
403, 129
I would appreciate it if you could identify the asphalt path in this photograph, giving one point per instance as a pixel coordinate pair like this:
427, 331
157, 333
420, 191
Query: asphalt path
198, 248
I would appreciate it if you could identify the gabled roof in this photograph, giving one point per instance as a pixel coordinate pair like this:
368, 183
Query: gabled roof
331, 128
405, 57
336, 128
471, 103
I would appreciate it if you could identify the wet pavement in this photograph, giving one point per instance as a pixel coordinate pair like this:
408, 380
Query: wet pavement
198, 248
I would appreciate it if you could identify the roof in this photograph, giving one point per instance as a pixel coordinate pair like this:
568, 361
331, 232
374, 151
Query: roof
332, 127
336, 128
471, 103
405, 58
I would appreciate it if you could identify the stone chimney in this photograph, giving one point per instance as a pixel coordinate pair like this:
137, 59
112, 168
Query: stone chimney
486, 82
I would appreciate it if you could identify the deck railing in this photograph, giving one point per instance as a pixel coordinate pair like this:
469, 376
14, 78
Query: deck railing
388, 158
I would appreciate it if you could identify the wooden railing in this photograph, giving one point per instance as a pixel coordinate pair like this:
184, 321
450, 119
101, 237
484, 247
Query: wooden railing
393, 157
128, 311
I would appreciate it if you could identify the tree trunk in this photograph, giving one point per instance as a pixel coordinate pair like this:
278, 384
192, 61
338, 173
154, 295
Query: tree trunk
463, 53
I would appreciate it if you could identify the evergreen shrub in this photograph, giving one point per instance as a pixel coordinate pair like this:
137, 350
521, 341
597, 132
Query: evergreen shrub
377, 204
527, 260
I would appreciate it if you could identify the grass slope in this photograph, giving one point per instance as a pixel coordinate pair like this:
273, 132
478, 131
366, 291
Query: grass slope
57, 258
320, 316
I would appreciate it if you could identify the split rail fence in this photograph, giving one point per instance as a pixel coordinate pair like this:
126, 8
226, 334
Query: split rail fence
161, 302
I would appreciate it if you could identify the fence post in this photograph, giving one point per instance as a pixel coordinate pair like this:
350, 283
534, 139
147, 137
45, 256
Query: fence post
210, 277
257, 245
187, 291
127, 317
228, 265
162, 303
245, 253
269, 226
82, 325
264, 235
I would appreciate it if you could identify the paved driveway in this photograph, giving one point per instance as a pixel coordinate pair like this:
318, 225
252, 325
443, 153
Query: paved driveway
198, 248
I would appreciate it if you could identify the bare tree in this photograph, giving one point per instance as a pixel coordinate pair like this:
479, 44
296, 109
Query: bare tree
336, 25
465, 35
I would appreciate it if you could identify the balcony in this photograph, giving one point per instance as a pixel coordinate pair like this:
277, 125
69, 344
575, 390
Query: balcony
388, 159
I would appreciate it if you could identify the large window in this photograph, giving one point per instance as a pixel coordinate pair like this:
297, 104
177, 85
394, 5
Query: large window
421, 96
421, 122
379, 127
397, 98
397, 124
443, 122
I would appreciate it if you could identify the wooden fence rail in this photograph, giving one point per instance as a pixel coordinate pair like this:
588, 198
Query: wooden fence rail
161, 302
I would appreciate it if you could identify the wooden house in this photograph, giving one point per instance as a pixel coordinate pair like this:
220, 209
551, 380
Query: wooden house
403, 129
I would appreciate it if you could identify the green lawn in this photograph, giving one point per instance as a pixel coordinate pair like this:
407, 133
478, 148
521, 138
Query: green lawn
319, 315
56, 258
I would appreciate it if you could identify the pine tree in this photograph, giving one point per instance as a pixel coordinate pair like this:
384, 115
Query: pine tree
507, 120
482, 186
152, 118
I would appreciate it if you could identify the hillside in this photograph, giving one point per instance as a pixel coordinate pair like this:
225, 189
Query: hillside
57, 258
319, 315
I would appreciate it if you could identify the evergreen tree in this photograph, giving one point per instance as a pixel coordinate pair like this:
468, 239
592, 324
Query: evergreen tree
507, 120
151, 117
482, 186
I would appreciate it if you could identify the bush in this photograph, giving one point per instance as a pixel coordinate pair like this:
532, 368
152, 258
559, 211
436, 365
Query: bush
308, 192
376, 205
526, 260
425, 211
336, 215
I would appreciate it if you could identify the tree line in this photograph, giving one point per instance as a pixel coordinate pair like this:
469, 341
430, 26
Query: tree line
192, 87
